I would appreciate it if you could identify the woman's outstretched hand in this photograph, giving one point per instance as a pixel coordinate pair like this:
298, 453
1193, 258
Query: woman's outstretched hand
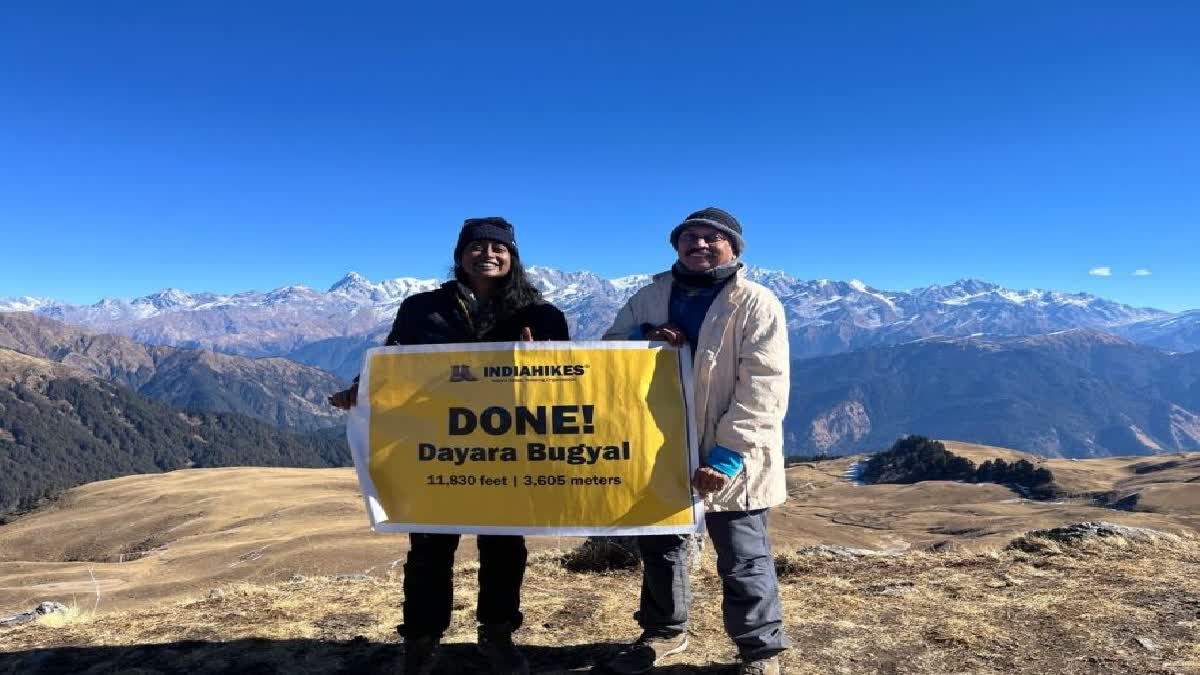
346, 398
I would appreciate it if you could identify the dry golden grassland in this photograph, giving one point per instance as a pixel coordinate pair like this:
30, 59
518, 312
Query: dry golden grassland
1103, 606
196, 572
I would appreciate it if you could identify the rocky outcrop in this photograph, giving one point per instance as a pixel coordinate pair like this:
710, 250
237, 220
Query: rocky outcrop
44, 609
845, 552
844, 424
1035, 541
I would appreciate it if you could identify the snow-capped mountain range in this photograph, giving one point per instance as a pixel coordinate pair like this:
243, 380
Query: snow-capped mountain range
329, 329
1174, 332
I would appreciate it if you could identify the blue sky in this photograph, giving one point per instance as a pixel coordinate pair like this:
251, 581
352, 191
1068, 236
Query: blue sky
228, 146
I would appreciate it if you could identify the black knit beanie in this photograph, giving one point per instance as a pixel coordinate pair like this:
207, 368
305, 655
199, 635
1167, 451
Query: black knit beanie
493, 228
716, 218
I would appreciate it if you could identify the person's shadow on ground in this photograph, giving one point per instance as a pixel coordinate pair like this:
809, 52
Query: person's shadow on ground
295, 657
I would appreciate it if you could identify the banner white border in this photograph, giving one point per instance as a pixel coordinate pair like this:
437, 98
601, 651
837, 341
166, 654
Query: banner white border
358, 429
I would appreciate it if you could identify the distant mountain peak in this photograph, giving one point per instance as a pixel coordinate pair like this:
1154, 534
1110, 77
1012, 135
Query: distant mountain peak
287, 293
973, 282
170, 297
959, 288
25, 303
352, 280
632, 281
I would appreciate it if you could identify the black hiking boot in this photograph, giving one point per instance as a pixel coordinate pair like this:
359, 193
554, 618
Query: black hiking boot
496, 645
420, 654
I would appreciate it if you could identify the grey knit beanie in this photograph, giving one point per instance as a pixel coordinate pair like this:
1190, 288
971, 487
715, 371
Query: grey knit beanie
715, 218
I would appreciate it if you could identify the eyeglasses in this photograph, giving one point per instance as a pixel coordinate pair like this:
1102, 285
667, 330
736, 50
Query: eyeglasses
481, 246
710, 238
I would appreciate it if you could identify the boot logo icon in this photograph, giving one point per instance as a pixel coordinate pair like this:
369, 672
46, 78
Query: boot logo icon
462, 373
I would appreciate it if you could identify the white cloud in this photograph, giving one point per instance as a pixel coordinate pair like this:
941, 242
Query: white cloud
1101, 271
1142, 272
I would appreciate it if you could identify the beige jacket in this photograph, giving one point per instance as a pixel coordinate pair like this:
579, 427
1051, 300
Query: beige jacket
740, 382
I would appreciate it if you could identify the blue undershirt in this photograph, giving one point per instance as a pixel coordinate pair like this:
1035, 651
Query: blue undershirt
688, 307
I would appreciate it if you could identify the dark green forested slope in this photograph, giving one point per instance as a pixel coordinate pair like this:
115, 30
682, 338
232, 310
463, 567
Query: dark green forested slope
1074, 394
57, 432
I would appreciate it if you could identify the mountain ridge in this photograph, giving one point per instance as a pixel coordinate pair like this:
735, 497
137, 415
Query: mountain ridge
282, 392
330, 329
1077, 393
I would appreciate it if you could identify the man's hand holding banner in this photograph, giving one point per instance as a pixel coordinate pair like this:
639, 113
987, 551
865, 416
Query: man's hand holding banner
566, 438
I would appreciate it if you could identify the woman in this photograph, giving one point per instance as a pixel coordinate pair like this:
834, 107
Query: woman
489, 300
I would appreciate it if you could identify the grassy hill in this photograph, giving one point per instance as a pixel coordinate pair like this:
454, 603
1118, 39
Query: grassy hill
186, 531
1109, 606
274, 570
824, 508
60, 427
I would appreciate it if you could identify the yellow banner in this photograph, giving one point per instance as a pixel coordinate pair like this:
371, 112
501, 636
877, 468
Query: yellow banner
570, 438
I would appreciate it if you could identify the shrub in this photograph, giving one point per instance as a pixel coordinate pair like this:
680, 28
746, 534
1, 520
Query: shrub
915, 458
600, 555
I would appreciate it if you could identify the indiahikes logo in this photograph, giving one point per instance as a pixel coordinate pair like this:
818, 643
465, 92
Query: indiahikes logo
557, 371
462, 373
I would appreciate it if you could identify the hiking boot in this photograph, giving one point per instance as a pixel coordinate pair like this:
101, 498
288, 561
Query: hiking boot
420, 654
767, 666
642, 655
496, 645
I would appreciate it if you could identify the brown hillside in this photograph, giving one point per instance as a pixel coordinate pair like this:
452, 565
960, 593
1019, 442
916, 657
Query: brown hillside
1164, 484
276, 390
273, 570
18, 368
1100, 606
168, 536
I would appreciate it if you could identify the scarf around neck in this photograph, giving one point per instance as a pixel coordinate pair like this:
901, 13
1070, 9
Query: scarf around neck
706, 279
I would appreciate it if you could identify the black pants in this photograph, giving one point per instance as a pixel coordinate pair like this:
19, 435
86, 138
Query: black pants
429, 582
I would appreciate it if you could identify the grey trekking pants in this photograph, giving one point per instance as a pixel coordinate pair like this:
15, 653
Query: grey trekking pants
750, 602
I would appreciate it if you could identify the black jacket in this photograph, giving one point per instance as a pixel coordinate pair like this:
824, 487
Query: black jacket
438, 317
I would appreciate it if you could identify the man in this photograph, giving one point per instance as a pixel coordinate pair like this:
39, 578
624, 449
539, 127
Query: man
738, 336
